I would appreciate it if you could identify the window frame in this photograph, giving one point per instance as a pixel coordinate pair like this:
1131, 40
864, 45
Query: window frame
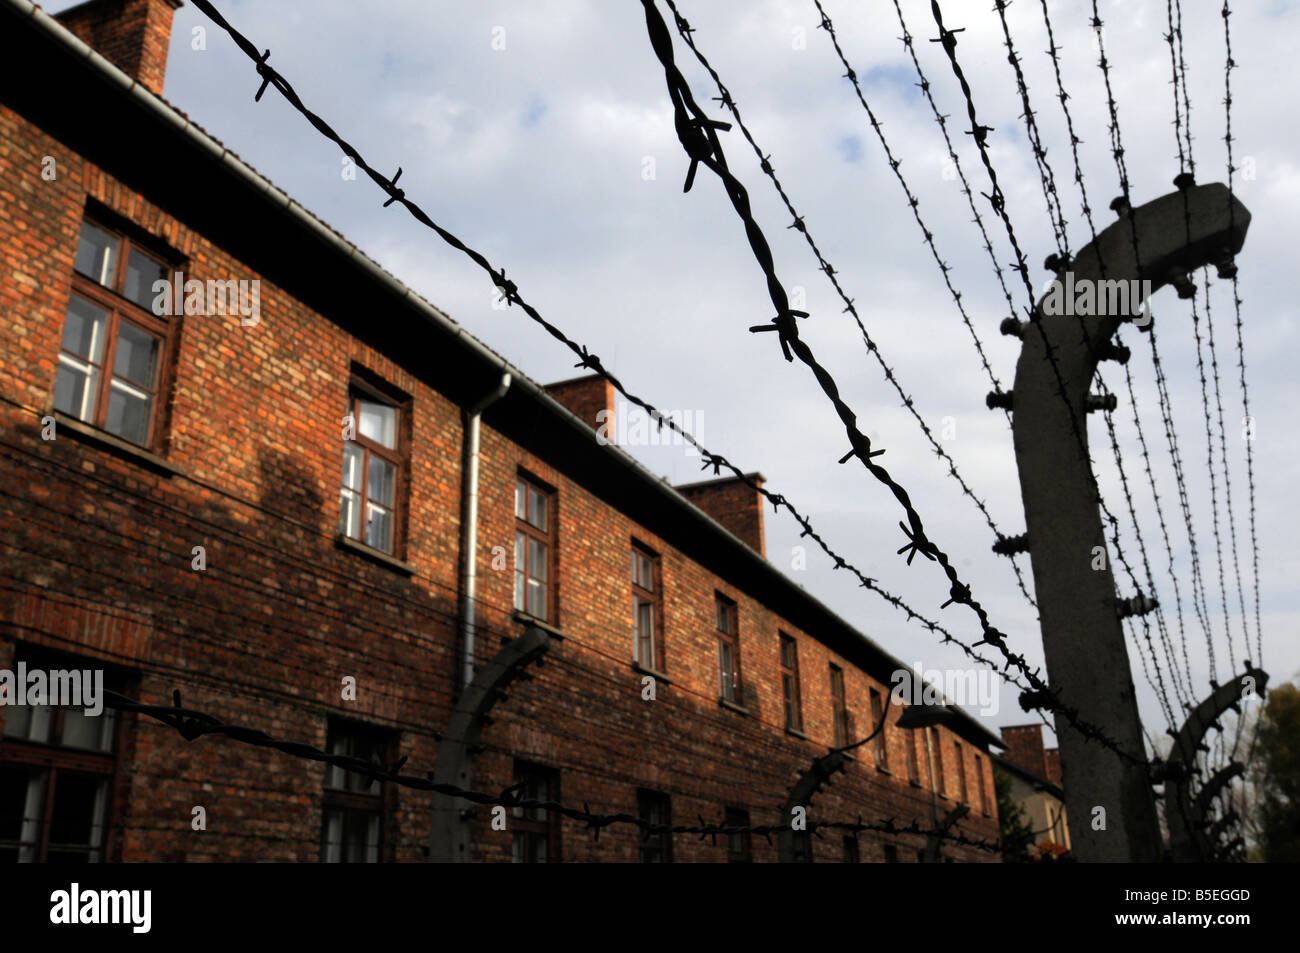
725, 607
913, 758
54, 758
841, 723
937, 783
740, 847
546, 538
399, 457
111, 298
963, 793
984, 794
654, 598
352, 803
791, 694
662, 843
549, 827
878, 710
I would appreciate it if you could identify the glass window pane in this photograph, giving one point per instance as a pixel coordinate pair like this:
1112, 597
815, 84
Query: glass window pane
352, 455
136, 357
350, 515
537, 509
83, 330
75, 388
536, 599
519, 570
537, 560
128, 412
141, 273
76, 822
96, 254
379, 527
94, 732
383, 479
378, 423
520, 492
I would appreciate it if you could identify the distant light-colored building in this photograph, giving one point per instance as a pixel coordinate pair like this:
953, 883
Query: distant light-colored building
1036, 783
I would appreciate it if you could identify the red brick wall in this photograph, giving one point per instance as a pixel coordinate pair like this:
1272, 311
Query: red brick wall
1025, 748
97, 550
734, 504
587, 397
133, 35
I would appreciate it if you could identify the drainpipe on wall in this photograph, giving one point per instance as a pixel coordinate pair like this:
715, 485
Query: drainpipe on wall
469, 526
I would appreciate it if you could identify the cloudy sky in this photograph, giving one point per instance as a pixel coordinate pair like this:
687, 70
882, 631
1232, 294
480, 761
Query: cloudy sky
541, 133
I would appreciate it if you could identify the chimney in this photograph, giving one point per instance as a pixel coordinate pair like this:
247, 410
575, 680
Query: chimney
133, 35
1054, 766
1025, 748
733, 503
587, 397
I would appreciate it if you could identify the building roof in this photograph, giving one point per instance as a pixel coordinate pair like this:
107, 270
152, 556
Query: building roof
155, 148
1033, 780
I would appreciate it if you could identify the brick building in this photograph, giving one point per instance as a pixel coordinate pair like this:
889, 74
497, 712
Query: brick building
273, 503
1034, 771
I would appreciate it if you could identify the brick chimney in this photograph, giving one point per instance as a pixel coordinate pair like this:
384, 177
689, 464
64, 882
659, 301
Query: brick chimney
1025, 748
1054, 766
133, 35
734, 504
587, 397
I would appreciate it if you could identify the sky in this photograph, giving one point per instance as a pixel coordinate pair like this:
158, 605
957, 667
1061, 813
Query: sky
542, 135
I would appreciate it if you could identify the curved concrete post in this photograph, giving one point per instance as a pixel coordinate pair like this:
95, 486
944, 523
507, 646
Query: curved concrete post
1188, 837
1083, 640
449, 841
801, 795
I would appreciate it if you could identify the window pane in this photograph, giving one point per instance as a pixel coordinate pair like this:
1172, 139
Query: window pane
537, 509
77, 822
352, 455
537, 560
128, 412
75, 388
520, 493
136, 358
21, 793
83, 330
30, 723
141, 272
519, 570
379, 527
350, 515
93, 732
96, 254
536, 599
378, 423
383, 479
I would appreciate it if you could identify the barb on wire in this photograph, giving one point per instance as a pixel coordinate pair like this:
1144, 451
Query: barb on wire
724, 96
794, 347
192, 725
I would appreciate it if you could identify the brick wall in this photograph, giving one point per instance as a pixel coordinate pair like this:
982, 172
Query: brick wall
98, 543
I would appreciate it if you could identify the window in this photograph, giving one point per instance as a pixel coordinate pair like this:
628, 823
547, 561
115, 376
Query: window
961, 773
913, 767
839, 707
537, 831
373, 469
56, 775
877, 713
647, 628
850, 843
114, 348
891, 854
655, 808
984, 794
534, 542
937, 780
353, 829
790, 682
739, 846
728, 650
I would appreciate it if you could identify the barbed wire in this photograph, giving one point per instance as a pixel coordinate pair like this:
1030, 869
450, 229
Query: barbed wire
1228, 66
724, 96
587, 359
698, 135
192, 725
1117, 152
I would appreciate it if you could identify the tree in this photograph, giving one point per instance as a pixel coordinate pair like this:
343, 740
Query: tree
1277, 776
1014, 829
